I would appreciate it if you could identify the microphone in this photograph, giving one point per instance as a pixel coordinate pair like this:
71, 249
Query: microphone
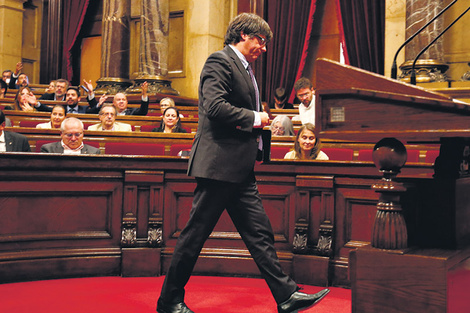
413, 73
394, 64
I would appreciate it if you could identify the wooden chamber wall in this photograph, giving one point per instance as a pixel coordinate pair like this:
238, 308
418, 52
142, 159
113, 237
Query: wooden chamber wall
71, 216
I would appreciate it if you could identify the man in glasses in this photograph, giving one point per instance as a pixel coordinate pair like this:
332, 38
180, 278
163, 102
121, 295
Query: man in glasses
306, 94
222, 160
107, 115
72, 139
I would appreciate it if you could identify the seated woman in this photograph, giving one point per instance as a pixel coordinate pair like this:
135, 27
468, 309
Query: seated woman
307, 145
57, 116
171, 122
25, 100
282, 126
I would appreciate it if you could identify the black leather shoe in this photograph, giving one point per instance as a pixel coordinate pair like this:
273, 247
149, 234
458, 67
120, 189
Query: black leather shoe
301, 301
172, 308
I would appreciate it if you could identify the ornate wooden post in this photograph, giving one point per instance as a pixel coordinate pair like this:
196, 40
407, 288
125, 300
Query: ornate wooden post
389, 228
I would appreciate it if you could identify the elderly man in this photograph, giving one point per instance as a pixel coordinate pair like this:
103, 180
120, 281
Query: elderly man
72, 140
108, 113
119, 101
11, 141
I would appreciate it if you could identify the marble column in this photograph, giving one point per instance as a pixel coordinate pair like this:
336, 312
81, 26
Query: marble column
153, 49
430, 66
115, 47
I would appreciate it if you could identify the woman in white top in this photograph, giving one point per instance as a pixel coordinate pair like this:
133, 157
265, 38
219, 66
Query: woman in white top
307, 145
57, 116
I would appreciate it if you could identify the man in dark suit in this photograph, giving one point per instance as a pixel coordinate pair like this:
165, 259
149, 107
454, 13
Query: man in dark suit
11, 141
222, 160
119, 101
61, 88
18, 79
72, 140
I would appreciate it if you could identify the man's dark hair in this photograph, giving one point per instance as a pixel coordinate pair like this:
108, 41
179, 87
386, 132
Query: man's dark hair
249, 24
74, 88
2, 117
280, 94
302, 83
7, 71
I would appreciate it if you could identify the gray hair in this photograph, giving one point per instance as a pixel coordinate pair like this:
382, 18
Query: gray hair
70, 119
286, 124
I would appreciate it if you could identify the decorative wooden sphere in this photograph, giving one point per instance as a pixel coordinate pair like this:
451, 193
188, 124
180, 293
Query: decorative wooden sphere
389, 155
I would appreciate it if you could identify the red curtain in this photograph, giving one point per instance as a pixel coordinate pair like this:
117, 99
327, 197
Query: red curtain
291, 23
362, 25
74, 13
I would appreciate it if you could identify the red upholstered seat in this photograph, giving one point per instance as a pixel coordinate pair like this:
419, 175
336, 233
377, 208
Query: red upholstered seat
339, 154
412, 156
95, 144
147, 128
128, 148
176, 148
431, 156
278, 152
365, 155
31, 124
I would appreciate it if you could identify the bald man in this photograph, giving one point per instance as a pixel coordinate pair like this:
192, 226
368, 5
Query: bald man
119, 101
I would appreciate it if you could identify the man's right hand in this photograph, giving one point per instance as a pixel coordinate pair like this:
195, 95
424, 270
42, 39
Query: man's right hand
88, 85
264, 118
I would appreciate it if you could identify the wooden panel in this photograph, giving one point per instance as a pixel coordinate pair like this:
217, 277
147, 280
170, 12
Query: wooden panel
60, 224
415, 281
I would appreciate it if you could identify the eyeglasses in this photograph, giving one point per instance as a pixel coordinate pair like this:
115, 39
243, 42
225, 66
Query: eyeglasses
70, 135
108, 114
278, 128
262, 40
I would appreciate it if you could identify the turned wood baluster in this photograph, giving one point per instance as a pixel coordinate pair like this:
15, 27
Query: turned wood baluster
389, 229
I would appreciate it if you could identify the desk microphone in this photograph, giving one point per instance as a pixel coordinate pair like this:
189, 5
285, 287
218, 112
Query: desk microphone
413, 73
394, 64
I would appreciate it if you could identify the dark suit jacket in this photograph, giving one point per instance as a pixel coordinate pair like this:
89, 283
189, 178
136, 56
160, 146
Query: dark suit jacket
142, 110
15, 142
81, 109
56, 147
225, 145
48, 96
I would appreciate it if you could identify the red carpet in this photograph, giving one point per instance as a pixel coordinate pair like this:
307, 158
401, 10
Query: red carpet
131, 295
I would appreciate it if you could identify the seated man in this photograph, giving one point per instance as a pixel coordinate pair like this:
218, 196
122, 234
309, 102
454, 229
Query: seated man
119, 101
107, 116
280, 100
61, 86
306, 94
6, 76
11, 141
72, 97
72, 139
18, 79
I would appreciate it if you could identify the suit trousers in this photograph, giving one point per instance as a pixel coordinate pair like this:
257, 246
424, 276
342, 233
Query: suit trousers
243, 204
